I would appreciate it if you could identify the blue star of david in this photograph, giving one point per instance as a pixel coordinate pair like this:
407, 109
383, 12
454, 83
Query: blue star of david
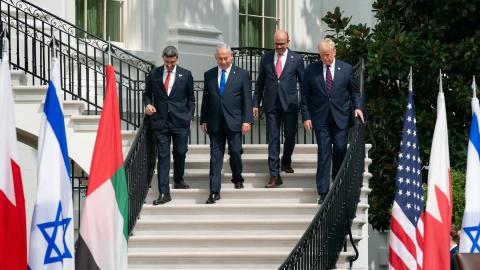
50, 238
474, 239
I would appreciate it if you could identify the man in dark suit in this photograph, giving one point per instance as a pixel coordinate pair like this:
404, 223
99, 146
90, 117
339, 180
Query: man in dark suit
170, 102
276, 89
226, 115
329, 92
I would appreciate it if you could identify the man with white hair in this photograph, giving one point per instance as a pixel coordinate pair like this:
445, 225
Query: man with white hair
329, 92
226, 114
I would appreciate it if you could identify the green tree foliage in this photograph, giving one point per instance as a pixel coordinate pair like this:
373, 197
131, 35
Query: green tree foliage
427, 35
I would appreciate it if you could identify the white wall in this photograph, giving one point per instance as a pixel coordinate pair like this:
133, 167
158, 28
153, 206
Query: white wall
303, 19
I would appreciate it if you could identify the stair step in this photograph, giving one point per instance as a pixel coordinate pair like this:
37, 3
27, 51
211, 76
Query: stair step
81, 123
193, 243
29, 93
227, 211
70, 107
221, 226
18, 77
204, 259
242, 196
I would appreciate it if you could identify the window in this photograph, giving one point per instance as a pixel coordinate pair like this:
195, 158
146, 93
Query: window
102, 18
258, 22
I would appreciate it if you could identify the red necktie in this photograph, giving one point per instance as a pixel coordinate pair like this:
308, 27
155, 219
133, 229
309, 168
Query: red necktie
278, 66
167, 82
328, 80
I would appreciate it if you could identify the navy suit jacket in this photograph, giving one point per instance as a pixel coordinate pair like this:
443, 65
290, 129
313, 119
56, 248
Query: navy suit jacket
180, 104
316, 103
235, 104
269, 86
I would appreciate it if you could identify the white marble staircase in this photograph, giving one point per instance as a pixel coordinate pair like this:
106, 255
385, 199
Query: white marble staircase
252, 228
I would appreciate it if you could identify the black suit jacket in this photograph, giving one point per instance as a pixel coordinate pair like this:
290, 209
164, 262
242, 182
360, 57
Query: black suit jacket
235, 104
180, 104
316, 103
269, 86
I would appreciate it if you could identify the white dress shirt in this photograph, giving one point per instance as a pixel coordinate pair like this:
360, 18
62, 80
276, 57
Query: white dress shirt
219, 75
332, 71
283, 59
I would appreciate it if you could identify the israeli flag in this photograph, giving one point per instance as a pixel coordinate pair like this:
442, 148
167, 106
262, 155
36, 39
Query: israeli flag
470, 233
51, 234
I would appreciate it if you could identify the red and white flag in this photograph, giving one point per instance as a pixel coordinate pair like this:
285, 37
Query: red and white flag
13, 233
438, 213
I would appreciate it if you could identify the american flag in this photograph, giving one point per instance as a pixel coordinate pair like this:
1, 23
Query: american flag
406, 225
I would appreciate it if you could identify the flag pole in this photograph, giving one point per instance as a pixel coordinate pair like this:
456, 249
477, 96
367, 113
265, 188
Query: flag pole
474, 87
410, 80
440, 82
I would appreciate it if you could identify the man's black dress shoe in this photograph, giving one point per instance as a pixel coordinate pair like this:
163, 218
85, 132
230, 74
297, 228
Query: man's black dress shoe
274, 181
321, 198
181, 185
238, 185
163, 198
212, 198
287, 167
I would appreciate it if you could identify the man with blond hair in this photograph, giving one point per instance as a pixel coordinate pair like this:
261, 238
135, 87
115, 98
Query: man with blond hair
329, 95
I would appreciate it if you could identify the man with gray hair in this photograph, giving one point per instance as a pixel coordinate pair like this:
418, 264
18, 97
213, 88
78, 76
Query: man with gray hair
170, 102
329, 93
226, 115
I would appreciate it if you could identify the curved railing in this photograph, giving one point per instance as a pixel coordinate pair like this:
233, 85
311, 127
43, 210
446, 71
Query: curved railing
322, 242
82, 55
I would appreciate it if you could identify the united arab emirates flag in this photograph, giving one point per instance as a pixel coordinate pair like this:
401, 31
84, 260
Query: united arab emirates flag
102, 242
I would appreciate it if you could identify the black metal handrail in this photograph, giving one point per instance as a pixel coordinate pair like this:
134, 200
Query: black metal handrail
82, 57
322, 242
139, 168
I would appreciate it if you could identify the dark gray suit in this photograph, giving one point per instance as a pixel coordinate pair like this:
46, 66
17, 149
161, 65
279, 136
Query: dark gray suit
331, 115
279, 100
224, 115
171, 121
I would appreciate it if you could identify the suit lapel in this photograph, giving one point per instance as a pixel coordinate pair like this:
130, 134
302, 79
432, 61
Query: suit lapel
178, 76
162, 86
337, 75
287, 63
321, 79
214, 82
231, 77
271, 60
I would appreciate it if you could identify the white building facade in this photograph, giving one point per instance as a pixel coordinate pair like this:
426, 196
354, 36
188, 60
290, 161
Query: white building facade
195, 27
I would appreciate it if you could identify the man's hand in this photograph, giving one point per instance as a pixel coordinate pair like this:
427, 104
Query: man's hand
359, 114
149, 109
255, 112
204, 128
307, 124
245, 128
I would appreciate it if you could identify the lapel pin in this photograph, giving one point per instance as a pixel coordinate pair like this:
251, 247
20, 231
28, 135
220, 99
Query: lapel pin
338, 68
180, 75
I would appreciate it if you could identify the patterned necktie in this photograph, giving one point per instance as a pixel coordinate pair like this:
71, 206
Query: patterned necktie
329, 81
223, 81
278, 65
167, 82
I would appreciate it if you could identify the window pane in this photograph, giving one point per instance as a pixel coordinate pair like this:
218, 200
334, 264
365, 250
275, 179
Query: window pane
80, 14
243, 6
255, 7
270, 27
254, 34
95, 17
270, 8
243, 31
114, 20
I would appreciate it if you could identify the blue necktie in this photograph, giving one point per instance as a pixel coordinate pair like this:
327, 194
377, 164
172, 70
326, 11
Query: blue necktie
223, 81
